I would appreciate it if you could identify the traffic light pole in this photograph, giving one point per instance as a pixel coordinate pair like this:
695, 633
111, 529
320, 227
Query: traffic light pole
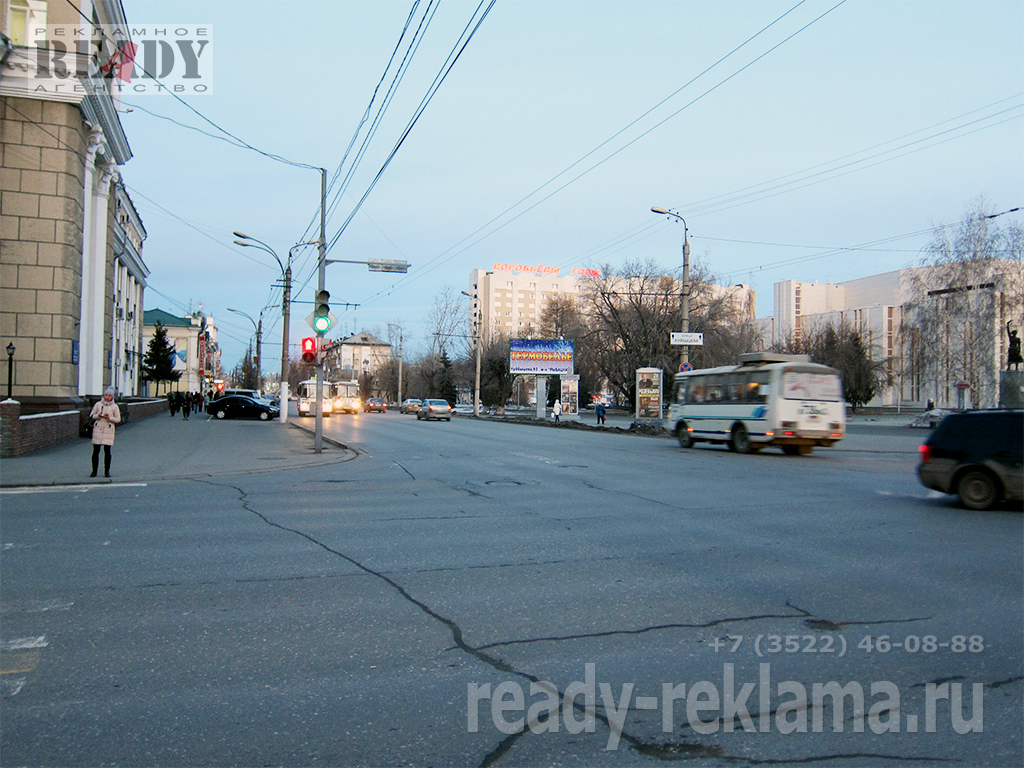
321, 269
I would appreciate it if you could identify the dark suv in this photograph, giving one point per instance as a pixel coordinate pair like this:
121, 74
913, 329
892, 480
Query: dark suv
978, 455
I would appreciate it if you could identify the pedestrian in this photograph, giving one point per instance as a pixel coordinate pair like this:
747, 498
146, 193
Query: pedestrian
599, 410
557, 410
105, 414
172, 403
186, 405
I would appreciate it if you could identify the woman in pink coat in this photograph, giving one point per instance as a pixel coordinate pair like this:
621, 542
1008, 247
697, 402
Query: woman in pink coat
105, 414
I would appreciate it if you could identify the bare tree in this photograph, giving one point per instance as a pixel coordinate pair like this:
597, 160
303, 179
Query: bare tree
562, 318
959, 304
446, 321
632, 311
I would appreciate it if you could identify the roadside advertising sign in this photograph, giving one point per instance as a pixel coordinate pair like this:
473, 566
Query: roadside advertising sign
540, 356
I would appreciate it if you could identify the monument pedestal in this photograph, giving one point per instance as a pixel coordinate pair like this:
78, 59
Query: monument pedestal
1011, 389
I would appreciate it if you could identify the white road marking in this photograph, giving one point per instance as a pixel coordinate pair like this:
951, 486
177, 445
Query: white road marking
72, 488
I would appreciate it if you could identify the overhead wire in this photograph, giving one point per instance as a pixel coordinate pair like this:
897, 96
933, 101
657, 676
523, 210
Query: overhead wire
437, 261
442, 75
366, 114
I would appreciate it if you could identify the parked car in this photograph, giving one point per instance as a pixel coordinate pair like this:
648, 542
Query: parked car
242, 407
435, 409
247, 392
977, 455
375, 404
463, 410
410, 406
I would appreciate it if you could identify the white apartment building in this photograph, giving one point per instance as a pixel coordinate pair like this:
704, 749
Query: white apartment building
971, 351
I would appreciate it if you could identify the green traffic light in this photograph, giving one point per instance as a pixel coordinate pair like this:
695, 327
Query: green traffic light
321, 324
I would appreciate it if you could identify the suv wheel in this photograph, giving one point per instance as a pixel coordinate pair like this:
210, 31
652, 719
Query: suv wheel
977, 489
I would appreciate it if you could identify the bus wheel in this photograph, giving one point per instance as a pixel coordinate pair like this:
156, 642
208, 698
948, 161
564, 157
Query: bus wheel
683, 435
740, 441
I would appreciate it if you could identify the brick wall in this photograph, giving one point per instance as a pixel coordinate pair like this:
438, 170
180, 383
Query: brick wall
20, 435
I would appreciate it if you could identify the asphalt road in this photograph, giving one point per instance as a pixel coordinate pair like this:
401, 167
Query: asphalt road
421, 603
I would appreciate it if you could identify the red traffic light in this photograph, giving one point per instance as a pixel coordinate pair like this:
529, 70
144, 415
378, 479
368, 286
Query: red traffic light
309, 350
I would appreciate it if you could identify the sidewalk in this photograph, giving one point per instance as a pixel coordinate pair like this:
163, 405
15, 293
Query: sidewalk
163, 447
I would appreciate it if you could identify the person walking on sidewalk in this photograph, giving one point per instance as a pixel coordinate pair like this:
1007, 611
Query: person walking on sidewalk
599, 410
186, 407
105, 414
556, 411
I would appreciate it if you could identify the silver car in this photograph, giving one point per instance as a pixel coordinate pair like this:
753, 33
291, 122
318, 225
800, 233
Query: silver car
435, 409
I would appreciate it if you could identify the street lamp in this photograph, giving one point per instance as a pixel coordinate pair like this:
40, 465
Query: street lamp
476, 342
10, 367
258, 327
684, 299
286, 302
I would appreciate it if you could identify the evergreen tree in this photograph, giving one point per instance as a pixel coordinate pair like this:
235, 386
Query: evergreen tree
448, 391
158, 362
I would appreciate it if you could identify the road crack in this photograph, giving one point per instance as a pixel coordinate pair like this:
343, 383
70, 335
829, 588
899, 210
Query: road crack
667, 751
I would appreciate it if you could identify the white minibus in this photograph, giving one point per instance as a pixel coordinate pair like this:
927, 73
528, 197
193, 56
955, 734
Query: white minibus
768, 399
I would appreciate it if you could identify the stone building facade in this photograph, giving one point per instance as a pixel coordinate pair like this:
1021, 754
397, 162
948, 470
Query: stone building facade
71, 269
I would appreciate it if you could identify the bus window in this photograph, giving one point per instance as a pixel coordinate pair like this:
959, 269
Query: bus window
716, 389
697, 393
680, 393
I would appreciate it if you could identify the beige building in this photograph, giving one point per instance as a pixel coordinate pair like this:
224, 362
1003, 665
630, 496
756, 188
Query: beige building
196, 351
349, 358
71, 269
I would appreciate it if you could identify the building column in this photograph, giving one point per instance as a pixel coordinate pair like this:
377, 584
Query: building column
92, 358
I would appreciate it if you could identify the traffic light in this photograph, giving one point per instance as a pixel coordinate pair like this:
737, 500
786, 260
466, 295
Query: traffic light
309, 350
322, 313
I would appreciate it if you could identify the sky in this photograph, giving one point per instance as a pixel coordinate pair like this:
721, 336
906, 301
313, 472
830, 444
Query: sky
815, 140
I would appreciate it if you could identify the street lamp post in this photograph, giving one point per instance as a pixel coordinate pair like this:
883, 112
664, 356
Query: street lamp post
684, 299
258, 327
286, 303
476, 343
10, 367
399, 361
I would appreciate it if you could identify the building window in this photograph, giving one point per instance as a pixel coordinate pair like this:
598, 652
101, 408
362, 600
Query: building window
24, 17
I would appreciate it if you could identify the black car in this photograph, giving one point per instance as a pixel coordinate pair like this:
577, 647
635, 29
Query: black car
977, 455
242, 407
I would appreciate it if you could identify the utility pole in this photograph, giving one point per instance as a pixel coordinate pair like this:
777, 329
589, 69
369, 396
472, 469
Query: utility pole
286, 312
259, 355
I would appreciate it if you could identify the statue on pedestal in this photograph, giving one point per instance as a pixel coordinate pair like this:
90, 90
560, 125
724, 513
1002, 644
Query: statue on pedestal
1013, 356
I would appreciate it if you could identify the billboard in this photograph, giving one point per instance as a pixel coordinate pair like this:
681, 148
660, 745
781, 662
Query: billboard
540, 356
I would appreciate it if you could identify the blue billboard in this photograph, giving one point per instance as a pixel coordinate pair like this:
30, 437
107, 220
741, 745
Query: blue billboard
540, 356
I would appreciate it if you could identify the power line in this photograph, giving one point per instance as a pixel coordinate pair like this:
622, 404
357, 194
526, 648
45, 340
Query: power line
437, 261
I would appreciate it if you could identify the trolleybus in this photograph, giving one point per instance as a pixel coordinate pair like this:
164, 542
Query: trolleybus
767, 400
